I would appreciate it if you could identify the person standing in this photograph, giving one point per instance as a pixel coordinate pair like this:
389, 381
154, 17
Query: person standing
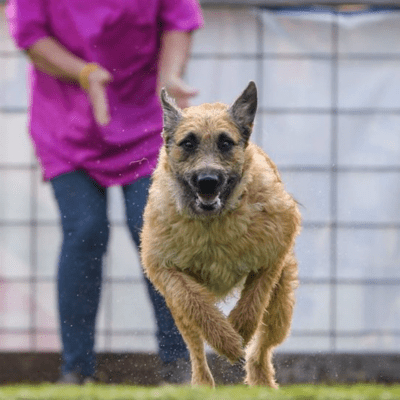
95, 121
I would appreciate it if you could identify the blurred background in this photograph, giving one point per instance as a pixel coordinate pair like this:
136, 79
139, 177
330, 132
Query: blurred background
329, 115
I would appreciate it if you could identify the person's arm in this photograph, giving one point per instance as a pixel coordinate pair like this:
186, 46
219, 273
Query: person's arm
51, 57
174, 54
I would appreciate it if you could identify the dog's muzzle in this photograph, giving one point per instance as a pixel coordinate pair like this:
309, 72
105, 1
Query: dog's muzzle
208, 187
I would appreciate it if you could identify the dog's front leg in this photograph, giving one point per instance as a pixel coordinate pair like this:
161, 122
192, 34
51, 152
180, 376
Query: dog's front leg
248, 311
188, 299
201, 374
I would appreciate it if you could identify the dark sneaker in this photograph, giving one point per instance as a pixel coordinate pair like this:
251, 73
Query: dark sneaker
177, 372
87, 380
69, 378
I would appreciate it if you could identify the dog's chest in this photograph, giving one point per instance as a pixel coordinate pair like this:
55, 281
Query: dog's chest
217, 256
219, 276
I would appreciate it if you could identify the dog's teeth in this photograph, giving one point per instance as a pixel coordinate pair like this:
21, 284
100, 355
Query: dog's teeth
208, 199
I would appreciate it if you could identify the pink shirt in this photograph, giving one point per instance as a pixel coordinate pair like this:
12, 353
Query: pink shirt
123, 36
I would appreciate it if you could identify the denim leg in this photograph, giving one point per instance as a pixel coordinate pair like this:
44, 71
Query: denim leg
83, 210
170, 343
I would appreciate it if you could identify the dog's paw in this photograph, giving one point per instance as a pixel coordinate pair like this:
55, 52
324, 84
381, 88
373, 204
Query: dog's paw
259, 378
233, 351
241, 361
229, 344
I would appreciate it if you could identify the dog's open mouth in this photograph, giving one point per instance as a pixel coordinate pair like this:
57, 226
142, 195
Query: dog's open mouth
207, 196
208, 202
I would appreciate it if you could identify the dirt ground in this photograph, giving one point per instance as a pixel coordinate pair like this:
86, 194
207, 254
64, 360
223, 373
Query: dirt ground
141, 369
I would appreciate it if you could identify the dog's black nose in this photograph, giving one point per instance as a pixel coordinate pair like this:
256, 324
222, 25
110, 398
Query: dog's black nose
208, 183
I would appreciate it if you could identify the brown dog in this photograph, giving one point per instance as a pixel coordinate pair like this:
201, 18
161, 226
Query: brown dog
218, 218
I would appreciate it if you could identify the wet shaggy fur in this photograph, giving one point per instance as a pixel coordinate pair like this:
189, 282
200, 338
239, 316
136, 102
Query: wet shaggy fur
217, 219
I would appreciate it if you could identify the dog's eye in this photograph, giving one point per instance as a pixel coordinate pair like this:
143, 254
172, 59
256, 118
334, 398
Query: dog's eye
189, 144
225, 143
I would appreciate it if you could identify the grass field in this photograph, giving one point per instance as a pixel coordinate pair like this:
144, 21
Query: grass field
121, 392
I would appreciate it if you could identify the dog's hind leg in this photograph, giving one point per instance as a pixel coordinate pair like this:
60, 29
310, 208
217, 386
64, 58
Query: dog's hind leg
201, 374
273, 330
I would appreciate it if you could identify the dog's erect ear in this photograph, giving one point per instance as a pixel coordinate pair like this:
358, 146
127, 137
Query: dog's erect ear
172, 115
243, 110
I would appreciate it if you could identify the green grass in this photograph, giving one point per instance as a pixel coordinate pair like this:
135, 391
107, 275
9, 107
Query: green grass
122, 392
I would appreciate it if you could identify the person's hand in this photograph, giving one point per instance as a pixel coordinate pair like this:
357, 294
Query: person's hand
180, 91
98, 80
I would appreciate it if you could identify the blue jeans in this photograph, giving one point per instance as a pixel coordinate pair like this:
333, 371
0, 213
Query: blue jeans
83, 210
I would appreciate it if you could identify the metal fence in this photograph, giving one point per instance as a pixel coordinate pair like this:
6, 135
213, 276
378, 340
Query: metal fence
329, 116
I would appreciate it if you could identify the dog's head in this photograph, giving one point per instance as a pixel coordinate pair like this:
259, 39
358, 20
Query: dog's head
205, 146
